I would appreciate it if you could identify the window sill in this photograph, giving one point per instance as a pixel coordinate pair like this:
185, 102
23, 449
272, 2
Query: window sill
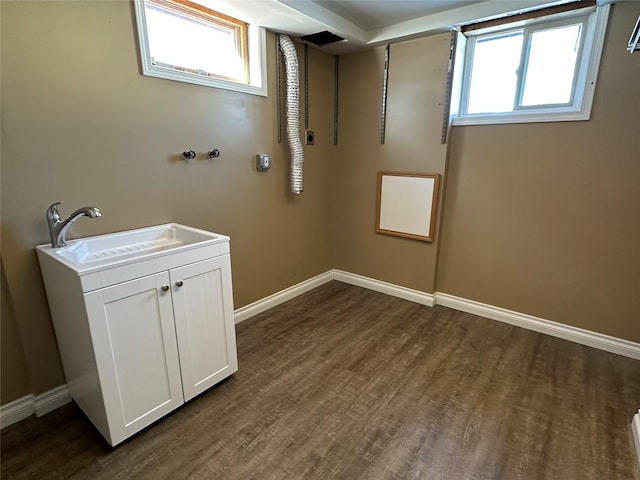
497, 118
194, 78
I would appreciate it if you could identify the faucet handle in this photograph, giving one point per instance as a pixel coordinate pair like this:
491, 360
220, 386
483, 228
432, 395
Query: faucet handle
52, 212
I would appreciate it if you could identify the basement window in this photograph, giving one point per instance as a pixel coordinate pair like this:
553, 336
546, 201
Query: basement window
541, 69
189, 42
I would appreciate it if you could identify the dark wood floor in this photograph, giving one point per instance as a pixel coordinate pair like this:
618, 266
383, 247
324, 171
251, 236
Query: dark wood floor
345, 383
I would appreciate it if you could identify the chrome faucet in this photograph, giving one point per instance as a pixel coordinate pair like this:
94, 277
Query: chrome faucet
58, 227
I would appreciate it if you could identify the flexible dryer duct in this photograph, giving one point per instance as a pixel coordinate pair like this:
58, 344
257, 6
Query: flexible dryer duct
293, 111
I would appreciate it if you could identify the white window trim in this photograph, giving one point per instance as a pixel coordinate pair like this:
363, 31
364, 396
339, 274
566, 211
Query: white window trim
257, 61
585, 89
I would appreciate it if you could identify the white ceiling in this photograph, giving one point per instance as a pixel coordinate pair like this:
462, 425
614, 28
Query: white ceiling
369, 23
373, 14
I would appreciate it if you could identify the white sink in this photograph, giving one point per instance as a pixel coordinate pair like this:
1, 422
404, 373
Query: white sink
130, 246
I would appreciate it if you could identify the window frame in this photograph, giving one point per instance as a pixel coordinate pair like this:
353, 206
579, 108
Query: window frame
252, 45
587, 65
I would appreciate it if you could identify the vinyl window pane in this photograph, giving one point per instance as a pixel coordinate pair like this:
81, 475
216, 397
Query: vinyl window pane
494, 73
185, 43
551, 66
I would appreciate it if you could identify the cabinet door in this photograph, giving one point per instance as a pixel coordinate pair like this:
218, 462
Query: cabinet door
133, 334
203, 309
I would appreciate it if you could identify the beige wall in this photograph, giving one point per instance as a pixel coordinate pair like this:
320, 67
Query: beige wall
544, 218
81, 124
538, 218
416, 88
13, 366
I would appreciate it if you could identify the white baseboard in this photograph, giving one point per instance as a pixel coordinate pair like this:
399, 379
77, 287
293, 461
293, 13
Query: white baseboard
26, 406
56, 397
282, 296
52, 399
635, 426
17, 410
567, 332
405, 293
529, 322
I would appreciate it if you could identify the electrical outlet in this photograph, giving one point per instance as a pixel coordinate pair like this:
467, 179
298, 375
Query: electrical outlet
309, 137
263, 162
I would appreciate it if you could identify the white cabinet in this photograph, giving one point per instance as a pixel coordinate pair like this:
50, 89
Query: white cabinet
203, 308
133, 335
138, 346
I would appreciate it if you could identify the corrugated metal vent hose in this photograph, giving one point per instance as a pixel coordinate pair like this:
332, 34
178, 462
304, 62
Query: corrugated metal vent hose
293, 111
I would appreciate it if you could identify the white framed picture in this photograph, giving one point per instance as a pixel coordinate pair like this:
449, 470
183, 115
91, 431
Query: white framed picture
406, 204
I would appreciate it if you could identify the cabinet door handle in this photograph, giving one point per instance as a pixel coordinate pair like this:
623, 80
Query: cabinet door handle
164, 288
179, 283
